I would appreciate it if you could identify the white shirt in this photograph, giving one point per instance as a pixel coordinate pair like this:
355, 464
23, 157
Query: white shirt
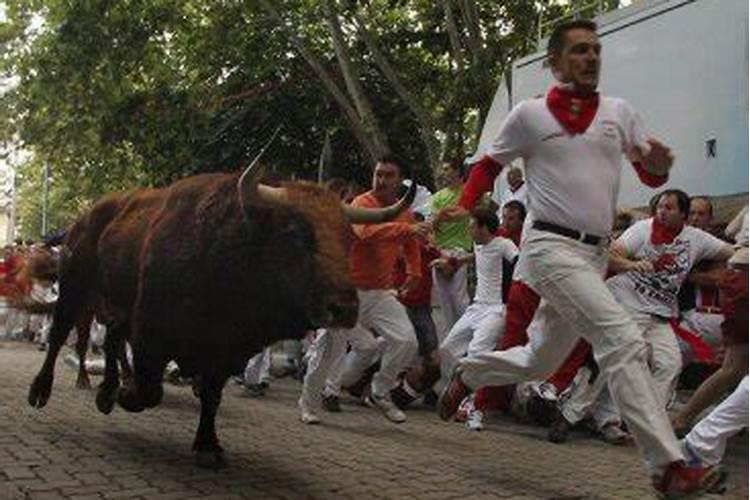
656, 293
572, 180
489, 264
741, 237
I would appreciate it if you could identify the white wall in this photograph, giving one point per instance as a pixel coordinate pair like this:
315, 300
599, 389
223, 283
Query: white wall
684, 65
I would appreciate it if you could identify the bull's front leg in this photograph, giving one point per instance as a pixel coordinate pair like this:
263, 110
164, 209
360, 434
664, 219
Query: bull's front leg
146, 391
209, 454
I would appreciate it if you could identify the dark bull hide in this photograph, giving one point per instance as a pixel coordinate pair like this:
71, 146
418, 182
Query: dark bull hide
206, 272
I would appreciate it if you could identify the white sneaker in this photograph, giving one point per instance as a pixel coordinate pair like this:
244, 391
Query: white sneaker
307, 416
475, 421
385, 405
547, 391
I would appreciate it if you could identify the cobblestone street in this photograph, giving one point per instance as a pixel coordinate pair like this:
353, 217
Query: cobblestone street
69, 450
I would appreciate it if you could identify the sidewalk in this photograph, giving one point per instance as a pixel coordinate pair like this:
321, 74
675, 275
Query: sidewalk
69, 451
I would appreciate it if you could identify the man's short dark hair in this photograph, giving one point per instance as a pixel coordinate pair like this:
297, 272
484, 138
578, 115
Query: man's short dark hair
556, 41
683, 200
485, 217
516, 206
456, 165
708, 202
395, 160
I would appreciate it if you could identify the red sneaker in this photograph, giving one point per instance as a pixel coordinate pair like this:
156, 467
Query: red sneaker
452, 395
683, 481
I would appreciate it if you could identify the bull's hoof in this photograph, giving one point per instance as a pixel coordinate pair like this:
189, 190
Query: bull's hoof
129, 401
210, 459
40, 390
83, 382
105, 399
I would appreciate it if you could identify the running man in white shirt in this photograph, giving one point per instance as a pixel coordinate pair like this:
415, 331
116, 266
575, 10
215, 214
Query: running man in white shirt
572, 142
481, 325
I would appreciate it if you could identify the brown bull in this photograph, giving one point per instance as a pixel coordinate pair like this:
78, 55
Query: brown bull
82, 293
207, 272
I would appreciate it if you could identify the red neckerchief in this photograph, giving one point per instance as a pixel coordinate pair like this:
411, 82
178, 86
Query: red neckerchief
562, 103
515, 237
662, 234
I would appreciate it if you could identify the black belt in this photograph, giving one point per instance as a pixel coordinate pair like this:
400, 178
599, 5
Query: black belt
589, 239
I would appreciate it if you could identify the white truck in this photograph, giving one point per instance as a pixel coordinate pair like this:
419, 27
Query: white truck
683, 64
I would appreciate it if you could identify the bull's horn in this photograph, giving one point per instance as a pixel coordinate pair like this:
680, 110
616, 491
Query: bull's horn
248, 187
359, 215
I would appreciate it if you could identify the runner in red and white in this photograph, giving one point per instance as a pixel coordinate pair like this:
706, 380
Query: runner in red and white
478, 329
653, 258
657, 254
572, 142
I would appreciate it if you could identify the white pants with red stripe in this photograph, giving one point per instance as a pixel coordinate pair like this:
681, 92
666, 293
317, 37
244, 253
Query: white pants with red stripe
706, 325
568, 275
708, 439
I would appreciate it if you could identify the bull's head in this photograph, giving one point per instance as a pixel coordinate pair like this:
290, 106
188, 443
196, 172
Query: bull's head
332, 299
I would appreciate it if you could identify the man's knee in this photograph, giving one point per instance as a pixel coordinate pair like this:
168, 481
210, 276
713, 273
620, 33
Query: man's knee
626, 352
410, 343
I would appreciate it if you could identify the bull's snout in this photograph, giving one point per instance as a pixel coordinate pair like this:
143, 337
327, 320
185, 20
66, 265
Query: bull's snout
343, 308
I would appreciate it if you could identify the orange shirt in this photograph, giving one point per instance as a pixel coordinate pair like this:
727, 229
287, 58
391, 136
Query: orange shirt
377, 247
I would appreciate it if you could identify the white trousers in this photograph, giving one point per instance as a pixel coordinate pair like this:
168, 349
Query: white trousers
708, 439
477, 331
366, 350
380, 311
706, 325
452, 294
568, 276
584, 398
258, 368
664, 361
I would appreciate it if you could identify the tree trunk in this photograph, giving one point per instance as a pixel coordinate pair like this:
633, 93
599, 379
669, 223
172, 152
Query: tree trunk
355, 124
352, 80
453, 35
426, 122
456, 109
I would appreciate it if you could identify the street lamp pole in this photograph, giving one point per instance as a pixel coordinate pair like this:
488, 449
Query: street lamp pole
45, 200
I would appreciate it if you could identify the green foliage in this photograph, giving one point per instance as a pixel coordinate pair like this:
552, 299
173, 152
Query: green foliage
126, 93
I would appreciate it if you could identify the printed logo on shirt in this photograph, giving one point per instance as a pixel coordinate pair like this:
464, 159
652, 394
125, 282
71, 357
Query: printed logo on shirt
609, 129
670, 263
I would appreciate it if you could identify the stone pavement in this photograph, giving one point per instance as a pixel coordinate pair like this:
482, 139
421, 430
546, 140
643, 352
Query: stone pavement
69, 450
